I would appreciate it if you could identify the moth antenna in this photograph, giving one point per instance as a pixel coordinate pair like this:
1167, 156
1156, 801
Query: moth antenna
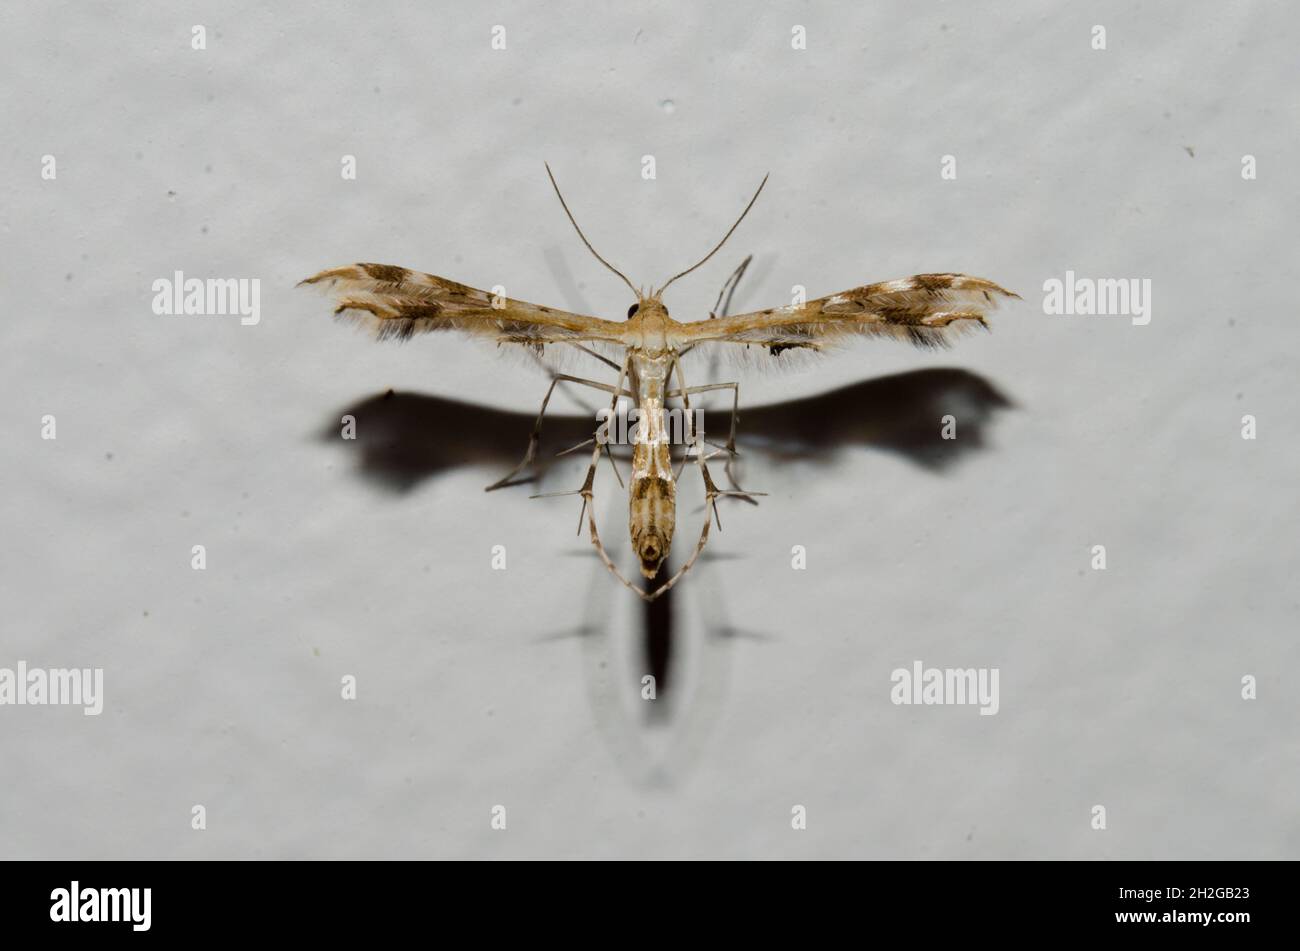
724, 238
565, 206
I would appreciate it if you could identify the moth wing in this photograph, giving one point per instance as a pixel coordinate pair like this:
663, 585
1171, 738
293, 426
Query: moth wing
398, 302
928, 310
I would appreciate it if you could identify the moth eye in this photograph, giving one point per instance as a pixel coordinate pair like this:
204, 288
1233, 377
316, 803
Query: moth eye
631, 311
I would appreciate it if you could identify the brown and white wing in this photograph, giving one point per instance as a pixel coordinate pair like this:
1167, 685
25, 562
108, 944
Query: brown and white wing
397, 302
928, 310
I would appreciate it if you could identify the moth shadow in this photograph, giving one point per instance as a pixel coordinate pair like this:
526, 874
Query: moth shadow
403, 438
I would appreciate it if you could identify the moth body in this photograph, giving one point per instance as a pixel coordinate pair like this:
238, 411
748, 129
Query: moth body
652, 506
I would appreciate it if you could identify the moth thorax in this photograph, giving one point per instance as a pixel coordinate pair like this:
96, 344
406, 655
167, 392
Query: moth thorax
652, 513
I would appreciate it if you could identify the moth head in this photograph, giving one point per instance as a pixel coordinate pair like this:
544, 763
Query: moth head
647, 304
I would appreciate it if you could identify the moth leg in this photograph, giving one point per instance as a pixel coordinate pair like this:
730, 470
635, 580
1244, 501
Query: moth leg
586, 442
589, 508
712, 491
535, 437
587, 350
721, 307
587, 491
608, 455
730, 447
723, 303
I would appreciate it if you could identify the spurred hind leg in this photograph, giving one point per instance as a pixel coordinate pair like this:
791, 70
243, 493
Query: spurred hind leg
587, 491
730, 447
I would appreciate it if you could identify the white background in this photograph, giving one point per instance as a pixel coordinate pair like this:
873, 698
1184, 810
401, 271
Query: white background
1118, 687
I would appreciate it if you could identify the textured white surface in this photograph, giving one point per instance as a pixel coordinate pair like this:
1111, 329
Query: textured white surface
222, 687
